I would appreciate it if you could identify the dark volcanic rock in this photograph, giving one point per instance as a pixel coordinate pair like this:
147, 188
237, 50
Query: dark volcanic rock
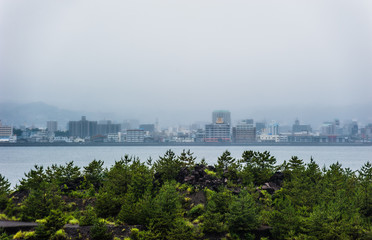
270, 187
19, 196
277, 178
274, 184
11, 227
72, 185
198, 177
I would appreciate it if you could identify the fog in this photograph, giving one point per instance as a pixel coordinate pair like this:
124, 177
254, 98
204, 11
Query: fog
180, 60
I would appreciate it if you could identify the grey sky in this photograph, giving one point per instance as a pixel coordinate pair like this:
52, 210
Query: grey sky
148, 59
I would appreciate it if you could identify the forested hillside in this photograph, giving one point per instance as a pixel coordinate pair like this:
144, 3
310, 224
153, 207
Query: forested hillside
179, 197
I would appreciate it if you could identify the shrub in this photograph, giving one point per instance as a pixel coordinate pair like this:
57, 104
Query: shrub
94, 172
24, 235
55, 221
243, 215
59, 235
196, 211
134, 234
99, 231
168, 166
88, 217
209, 172
74, 221
4, 236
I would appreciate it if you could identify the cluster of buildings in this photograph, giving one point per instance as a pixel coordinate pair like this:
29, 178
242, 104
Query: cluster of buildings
220, 130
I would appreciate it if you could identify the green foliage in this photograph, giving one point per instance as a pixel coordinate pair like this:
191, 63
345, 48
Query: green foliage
312, 203
129, 210
136, 179
168, 166
141, 179
119, 176
203, 162
4, 185
209, 172
4, 191
284, 218
217, 208
196, 211
365, 191
33, 178
166, 210
74, 221
223, 162
59, 235
62, 174
107, 203
181, 230
135, 234
23, 235
243, 214
4, 236
42, 232
258, 167
100, 231
88, 217
94, 172
54, 222
40, 202
302, 185
167, 203
334, 220
115, 186
187, 159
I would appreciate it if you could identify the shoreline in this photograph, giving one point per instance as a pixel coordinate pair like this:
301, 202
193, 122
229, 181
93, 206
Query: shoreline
170, 144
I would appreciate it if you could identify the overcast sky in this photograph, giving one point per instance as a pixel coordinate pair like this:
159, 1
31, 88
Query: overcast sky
176, 59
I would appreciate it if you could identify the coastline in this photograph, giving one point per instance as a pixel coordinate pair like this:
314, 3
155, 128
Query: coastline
171, 144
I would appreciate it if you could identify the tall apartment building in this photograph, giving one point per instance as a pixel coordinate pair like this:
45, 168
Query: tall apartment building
328, 128
107, 127
82, 128
221, 116
244, 132
260, 127
273, 128
5, 131
299, 128
219, 130
52, 126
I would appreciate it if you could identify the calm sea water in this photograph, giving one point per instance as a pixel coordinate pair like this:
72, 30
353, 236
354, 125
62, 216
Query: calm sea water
15, 161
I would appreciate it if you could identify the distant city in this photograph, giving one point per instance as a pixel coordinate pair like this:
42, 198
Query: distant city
219, 130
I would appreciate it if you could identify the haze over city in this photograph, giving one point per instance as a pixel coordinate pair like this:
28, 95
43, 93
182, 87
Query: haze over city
178, 61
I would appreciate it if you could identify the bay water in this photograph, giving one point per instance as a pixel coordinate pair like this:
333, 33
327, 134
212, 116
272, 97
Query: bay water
15, 161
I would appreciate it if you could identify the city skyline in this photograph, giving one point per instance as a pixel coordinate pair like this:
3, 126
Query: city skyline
38, 113
219, 131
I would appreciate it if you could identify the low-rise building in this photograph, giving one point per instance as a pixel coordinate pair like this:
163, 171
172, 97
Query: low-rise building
273, 138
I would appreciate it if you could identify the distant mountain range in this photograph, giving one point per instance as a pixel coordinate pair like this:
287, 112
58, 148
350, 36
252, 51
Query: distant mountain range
38, 113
